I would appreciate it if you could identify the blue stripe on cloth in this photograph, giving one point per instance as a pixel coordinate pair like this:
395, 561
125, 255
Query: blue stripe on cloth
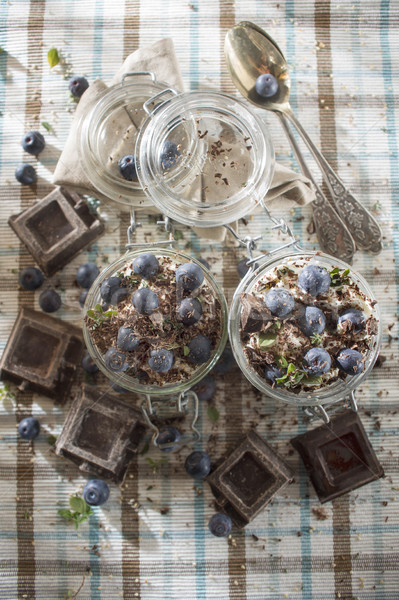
95, 579
363, 160
393, 161
199, 509
306, 548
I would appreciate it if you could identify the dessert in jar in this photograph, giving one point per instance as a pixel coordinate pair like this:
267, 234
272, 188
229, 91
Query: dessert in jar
155, 321
305, 328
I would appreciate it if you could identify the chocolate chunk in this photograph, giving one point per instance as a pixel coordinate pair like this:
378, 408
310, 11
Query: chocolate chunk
56, 228
248, 478
338, 456
42, 354
101, 433
254, 314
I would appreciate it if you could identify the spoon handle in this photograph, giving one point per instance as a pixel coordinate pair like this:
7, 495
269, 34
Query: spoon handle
332, 233
365, 230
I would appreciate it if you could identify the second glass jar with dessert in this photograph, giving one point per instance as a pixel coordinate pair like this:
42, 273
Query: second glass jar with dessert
272, 334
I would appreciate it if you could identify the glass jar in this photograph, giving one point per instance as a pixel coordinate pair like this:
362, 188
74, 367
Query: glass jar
130, 381
319, 397
205, 159
108, 132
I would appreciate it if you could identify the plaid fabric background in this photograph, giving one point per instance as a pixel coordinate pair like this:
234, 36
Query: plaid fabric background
344, 57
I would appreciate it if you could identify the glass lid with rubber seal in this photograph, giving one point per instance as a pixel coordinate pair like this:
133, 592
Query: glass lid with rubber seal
108, 134
204, 158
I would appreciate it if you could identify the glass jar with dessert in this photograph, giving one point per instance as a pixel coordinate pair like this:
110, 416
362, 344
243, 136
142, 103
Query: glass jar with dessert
305, 329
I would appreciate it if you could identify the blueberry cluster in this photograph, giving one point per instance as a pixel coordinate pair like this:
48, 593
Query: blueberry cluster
138, 330
313, 282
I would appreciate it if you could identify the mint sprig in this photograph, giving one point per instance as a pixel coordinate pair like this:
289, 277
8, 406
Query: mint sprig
293, 375
316, 339
339, 277
80, 511
99, 316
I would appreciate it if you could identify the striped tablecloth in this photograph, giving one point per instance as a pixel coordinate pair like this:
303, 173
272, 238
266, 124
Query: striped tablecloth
344, 57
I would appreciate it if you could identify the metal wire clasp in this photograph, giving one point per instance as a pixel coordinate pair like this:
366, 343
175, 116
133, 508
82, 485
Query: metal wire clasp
324, 412
182, 408
131, 231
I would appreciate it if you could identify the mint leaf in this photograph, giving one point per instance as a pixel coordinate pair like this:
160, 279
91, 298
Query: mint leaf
46, 126
290, 368
51, 440
78, 504
53, 57
282, 362
213, 414
313, 380
186, 350
99, 308
65, 513
267, 339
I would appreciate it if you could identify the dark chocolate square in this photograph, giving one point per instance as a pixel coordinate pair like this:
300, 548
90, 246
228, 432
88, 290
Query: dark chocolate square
42, 354
248, 478
56, 228
338, 456
101, 433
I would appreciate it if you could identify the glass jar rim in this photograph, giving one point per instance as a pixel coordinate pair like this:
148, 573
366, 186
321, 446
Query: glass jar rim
323, 396
174, 205
124, 380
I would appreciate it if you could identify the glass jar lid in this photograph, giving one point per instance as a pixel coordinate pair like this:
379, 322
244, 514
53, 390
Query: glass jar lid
269, 349
204, 158
108, 133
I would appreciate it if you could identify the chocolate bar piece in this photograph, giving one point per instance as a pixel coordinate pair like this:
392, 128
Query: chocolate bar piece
101, 433
248, 478
338, 456
56, 229
42, 354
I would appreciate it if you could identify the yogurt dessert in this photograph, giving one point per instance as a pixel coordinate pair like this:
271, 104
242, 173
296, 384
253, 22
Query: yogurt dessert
305, 326
155, 321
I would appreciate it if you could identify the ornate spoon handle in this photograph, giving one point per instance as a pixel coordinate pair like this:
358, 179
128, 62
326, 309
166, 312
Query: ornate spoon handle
365, 230
332, 233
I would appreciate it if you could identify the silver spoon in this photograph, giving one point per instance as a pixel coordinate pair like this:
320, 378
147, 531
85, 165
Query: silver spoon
249, 53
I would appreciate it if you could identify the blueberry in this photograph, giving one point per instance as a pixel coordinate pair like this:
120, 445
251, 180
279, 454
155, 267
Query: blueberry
225, 363
86, 274
82, 297
161, 360
279, 302
29, 428
190, 276
145, 301
190, 311
49, 301
33, 142
127, 167
146, 265
272, 373
220, 525
317, 361
127, 339
312, 321
111, 290
30, 278
96, 492
169, 155
77, 85
88, 364
118, 388
314, 280
200, 349
352, 320
25, 174
350, 361
205, 263
205, 389
198, 464
115, 360
168, 435
266, 85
